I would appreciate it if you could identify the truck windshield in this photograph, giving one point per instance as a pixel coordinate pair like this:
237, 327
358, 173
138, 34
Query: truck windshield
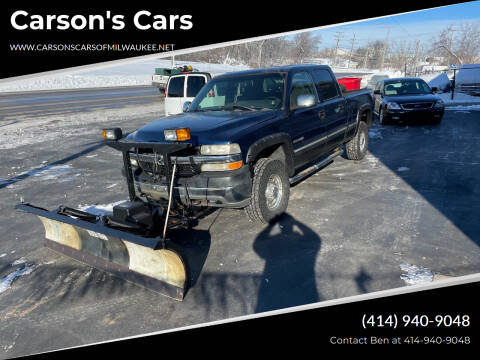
243, 92
407, 87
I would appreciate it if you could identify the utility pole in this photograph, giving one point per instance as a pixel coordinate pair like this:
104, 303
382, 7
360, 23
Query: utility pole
260, 48
366, 55
416, 57
351, 51
382, 59
338, 37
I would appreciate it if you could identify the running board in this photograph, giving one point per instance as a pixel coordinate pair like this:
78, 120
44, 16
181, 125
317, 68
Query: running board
310, 170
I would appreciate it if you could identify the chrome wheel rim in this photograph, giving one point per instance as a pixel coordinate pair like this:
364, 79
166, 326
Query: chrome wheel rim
362, 141
274, 191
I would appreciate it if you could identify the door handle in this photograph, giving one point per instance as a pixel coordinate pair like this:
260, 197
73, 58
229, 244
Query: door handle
322, 114
339, 108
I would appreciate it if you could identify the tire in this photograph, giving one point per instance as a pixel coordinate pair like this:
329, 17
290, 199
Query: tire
381, 117
270, 190
358, 146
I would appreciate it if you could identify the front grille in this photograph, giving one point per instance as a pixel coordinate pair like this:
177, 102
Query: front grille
183, 170
413, 106
147, 164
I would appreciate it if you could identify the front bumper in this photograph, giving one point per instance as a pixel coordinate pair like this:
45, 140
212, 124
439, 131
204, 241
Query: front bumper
159, 85
415, 114
221, 189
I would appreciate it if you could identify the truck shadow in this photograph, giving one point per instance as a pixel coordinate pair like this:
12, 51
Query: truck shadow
289, 249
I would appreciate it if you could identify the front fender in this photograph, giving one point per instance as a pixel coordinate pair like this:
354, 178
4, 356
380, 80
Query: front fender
282, 139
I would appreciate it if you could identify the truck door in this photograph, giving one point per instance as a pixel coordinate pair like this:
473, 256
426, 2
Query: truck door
334, 113
175, 94
304, 124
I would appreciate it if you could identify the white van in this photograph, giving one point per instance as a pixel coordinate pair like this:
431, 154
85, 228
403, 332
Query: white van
181, 88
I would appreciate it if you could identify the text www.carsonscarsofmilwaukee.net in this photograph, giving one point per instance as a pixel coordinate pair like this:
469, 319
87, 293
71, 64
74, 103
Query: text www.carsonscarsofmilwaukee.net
92, 47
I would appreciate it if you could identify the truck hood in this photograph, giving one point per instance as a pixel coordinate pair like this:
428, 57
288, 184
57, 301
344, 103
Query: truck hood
205, 127
402, 99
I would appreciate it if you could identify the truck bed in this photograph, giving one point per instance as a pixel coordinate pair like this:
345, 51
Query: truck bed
347, 93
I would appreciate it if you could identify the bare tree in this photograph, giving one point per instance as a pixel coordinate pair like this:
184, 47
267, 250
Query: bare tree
304, 45
458, 46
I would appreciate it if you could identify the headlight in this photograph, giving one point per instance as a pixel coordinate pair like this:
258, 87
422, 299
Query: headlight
221, 166
112, 134
134, 162
393, 106
226, 149
439, 104
177, 134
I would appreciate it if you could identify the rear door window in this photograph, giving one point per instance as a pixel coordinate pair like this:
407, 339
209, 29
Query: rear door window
175, 86
325, 85
194, 84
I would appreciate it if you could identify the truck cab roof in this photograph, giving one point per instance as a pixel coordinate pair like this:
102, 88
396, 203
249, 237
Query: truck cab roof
283, 69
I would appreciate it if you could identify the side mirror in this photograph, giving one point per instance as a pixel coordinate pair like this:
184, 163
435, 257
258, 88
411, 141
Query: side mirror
434, 89
376, 92
305, 100
186, 105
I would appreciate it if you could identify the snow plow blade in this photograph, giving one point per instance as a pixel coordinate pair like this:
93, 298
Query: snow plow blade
146, 261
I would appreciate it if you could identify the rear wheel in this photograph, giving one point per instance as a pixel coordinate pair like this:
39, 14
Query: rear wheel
358, 146
270, 190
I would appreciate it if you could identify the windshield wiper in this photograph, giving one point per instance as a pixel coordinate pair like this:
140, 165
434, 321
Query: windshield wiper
241, 107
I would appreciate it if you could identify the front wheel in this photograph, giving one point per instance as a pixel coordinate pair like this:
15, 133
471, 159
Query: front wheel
358, 146
381, 117
270, 190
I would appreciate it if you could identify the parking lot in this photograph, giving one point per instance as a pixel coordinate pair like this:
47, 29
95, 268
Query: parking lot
352, 228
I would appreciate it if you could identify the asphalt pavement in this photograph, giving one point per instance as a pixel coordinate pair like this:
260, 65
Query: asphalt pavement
55, 102
352, 228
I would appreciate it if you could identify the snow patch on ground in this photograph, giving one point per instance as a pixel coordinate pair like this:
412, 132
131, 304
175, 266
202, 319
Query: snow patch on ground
6, 282
59, 173
56, 172
459, 97
100, 209
372, 161
415, 274
375, 133
19, 261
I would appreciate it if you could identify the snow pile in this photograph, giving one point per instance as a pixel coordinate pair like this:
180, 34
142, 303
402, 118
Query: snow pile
415, 274
135, 74
100, 209
438, 80
6, 282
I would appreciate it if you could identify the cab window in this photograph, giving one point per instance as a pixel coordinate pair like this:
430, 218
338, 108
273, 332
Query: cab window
302, 84
326, 86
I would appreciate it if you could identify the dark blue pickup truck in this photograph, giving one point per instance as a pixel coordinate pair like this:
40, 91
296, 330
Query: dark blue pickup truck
242, 141
248, 135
